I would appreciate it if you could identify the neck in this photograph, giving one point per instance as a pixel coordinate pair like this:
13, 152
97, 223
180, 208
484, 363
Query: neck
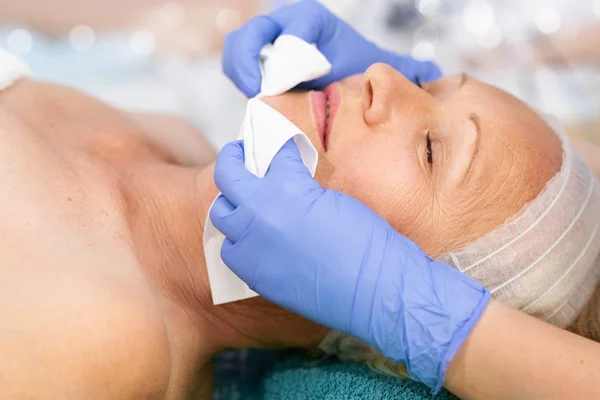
168, 207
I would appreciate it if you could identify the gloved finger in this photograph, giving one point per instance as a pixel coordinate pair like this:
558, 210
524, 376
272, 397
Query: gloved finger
241, 53
231, 176
227, 255
305, 19
230, 61
288, 160
227, 62
426, 71
226, 218
272, 284
319, 83
230, 253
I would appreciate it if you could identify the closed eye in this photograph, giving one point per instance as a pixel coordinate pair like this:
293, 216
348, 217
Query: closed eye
429, 150
369, 88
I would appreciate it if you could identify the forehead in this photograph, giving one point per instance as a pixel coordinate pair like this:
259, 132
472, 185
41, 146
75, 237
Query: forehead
518, 153
519, 127
507, 123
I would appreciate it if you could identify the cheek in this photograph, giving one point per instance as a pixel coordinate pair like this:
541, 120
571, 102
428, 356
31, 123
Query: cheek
387, 180
354, 82
295, 107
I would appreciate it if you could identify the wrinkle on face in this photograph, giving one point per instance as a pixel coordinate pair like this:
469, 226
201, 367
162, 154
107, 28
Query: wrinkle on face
377, 158
111, 206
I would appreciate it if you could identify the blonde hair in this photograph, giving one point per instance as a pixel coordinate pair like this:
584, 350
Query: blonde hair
587, 323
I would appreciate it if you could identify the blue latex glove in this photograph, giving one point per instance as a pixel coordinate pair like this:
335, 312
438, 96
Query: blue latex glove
328, 257
347, 51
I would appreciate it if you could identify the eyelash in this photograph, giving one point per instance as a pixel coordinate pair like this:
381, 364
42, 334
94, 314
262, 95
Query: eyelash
429, 150
418, 82
428, 137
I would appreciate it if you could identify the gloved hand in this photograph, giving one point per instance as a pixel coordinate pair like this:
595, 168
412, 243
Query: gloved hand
328, 257
347, 51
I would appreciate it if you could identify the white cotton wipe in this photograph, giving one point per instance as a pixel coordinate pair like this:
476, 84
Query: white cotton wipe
288, 62
11, 69
284, 64
264, 132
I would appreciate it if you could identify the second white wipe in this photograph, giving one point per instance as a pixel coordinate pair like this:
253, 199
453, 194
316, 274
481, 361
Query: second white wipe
288, 62
264, 131
284, 64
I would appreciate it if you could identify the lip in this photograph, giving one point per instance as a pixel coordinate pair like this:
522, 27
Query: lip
319, 105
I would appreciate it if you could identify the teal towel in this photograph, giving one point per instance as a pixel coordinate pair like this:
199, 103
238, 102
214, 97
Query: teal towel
293, 376
294, 380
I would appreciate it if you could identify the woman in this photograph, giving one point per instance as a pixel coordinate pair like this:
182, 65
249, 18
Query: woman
103, 275
382, 288
103, 269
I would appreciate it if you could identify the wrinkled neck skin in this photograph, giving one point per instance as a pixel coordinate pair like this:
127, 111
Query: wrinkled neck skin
102, 220
167, 209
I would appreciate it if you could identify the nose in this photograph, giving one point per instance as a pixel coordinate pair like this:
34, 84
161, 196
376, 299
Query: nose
381, 83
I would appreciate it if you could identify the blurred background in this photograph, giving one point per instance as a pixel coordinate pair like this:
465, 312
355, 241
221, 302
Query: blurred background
164, 56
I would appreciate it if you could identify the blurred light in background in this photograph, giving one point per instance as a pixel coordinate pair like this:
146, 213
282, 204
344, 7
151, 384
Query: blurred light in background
142, 43
82, 37
547, 20
546, 52
428, 7
478, 17
535, 49
427, 33
227, 19
423, 50
19, 41
172, 15
342, 8
492, 38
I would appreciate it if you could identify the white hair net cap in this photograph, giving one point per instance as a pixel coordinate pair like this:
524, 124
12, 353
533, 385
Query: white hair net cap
544, 261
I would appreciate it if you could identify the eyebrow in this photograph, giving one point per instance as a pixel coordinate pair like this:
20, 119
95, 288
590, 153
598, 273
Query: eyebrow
476, 121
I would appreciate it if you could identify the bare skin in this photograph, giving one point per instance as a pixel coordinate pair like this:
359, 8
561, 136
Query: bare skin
384, 114
102, 215
511, 355
115, 295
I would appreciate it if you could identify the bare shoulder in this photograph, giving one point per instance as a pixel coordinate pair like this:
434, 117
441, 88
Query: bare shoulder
177, 137
80, 336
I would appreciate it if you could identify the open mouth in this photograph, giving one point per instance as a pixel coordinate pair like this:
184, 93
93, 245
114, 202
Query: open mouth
325, 105
327, 112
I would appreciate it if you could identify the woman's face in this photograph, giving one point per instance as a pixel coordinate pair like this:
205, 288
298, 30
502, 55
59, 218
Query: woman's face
453, 159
